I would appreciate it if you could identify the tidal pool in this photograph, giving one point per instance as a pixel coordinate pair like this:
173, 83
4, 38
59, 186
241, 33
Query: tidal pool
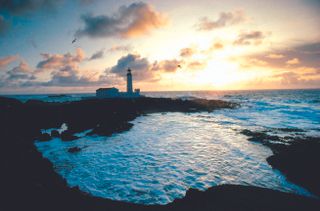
163, 156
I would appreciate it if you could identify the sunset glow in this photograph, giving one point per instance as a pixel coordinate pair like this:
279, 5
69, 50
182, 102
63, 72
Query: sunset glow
170, 45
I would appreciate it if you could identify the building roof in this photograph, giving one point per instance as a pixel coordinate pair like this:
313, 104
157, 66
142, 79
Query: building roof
109, 88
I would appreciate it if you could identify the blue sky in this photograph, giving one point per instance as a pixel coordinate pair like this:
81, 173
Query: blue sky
39, 31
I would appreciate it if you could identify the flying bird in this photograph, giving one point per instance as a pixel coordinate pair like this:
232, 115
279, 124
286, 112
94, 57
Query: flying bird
74, 40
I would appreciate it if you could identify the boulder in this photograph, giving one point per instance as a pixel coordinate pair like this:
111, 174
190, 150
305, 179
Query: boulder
44, 137
55, 134
74, 149
68, 136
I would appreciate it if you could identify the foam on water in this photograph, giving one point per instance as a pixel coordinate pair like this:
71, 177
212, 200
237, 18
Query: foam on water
164, 155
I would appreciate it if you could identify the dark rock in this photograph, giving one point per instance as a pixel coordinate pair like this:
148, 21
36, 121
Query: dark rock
237, 197
290, 130
68, 136
74, 149
44, 137
260, 136
108, 129
299, 161
55, 134
294, 156
9, 103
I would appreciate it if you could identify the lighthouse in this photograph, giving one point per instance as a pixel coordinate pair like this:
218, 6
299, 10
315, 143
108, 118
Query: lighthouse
113, 92
129, 82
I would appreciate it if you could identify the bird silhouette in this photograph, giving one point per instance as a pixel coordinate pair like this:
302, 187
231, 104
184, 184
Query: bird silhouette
74, 40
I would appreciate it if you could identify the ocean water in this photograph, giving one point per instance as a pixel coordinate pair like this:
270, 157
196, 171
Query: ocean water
165, 154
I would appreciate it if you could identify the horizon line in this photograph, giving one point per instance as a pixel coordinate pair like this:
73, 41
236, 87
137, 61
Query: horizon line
204, 90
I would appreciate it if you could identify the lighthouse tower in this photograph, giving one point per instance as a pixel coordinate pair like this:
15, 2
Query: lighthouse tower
129, 82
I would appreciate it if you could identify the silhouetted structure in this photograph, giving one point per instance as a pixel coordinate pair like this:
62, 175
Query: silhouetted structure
113, 92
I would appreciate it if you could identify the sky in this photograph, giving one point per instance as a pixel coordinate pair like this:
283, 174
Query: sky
59, 46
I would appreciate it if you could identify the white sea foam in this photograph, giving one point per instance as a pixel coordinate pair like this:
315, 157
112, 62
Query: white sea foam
164, 155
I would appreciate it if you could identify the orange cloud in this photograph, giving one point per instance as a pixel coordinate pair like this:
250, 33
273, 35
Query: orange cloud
196, 65
57, 61
225, 19
187, 52
249, 38
7, 60
293, 61
134, 20
275, 56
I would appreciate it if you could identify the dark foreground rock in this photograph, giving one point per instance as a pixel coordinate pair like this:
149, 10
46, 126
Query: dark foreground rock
30, 182
55, 134
68, 136
74, 149
43, 137
299, 161
297, 157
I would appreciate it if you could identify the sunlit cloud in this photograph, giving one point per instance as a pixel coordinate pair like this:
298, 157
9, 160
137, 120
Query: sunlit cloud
143, 69
187, 52
17, 75
224, 19
250, 38
135, 20
275, 56
7, 60
293, 61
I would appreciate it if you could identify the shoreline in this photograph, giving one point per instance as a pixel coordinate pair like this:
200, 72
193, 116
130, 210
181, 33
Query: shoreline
31, 181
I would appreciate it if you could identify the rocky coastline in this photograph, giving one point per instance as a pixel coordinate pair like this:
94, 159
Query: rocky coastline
295, 155
30, 182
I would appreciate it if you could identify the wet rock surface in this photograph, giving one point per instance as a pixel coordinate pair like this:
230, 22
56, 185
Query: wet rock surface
55, 134
74, 149
296, 156
68, 136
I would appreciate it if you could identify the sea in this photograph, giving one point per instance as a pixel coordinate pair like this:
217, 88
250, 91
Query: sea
165, 154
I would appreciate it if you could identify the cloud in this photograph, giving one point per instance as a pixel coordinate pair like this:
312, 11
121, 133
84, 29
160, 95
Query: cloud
22, 71
224, 19
187, 52
293, 61
292, 79
64, 70
142, 68
3, 25
167, 65
120, 48
130, 21
7, 60
305, 54
249, 38
196, 65
217, 45
17, 75
309, 48
20, 7
60, 61
97, 55
254, 62
275, 56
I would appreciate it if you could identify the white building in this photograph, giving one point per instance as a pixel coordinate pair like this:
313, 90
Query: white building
107, 92
113, 92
